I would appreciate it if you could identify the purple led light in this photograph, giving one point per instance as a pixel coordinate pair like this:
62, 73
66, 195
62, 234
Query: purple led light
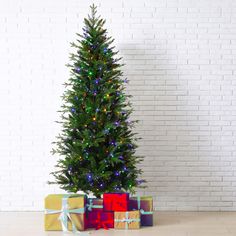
89, 177
117, 123
117, 187
140, 181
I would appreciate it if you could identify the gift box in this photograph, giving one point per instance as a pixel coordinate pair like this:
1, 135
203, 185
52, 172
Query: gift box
115, 201
127, 220
94, 204
100, 219
145, 205
65, 212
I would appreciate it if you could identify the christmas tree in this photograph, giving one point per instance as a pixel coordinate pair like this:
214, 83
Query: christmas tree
97, 143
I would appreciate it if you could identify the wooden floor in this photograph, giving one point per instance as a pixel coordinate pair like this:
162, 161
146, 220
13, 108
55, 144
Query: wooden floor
166, 224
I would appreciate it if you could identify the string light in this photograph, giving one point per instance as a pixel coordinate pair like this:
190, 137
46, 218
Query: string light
117, 187
89, 177
106, 131
69, 170
117, 123
140, 181
128, 121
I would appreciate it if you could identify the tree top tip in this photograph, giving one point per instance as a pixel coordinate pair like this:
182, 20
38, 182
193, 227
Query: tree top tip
93, 8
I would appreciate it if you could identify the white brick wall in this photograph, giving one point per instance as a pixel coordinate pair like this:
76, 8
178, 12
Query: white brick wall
180, 59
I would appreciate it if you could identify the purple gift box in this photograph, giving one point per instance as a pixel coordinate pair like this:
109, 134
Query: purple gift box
145, 205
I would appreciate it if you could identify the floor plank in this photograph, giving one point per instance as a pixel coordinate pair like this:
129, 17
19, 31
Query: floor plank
166, 224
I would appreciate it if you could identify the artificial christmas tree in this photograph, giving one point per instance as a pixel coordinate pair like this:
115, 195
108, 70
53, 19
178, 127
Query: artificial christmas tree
97, 143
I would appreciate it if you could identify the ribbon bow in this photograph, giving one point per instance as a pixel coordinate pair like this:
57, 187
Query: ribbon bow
65, 215
90, 205
100, 223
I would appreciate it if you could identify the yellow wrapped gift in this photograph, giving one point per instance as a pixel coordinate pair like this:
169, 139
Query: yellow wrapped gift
127, 220
65, 212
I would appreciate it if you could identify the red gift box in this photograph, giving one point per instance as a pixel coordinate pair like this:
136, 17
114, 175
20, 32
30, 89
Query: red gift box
115, 201
99, 219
